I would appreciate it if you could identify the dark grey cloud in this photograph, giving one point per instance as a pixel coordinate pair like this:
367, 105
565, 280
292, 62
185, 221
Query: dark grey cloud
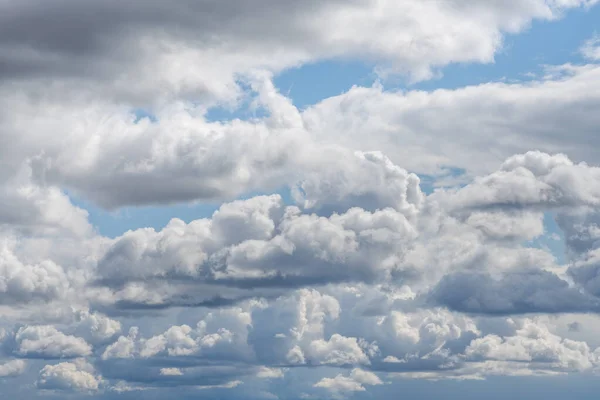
512, 292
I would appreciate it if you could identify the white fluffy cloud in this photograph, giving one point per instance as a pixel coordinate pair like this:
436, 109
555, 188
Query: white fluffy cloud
12, 368
260, 247
47, 342
69, 376
351, 383
183, 157
22, 283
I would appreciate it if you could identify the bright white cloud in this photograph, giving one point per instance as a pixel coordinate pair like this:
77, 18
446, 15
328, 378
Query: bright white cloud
68, 376
351, 383
47, 342
12, 368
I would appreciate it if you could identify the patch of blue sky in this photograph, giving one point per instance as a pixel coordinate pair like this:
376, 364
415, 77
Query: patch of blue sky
553, 239
141, 114
115, 223
243, 112
524, 55
311, 83
450, 177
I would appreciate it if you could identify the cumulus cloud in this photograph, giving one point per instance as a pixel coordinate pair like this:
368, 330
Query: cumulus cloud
69, 376
370, 181
383, 286
22, 283
277, 247
196, 159
46, 341
12, 368
351, 383
96, 325
465, 242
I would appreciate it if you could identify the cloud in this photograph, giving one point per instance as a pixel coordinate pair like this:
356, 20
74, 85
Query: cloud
270, 373
273, 247
591, 48
22, 283
515, 292
183, 157
351, 383
404, 287
457, 241
98, 326
196, 159
117, 42
369, 181
171, 371
68, 376
430, 132
352, 273
33, 208
533, 343
46, 341
12, 368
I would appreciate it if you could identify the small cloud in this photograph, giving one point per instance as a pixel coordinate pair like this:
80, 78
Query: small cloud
228, 385
352, 383
555, 236
591, 48
269, 373
69, 376
12, 368
171, 372
394, 360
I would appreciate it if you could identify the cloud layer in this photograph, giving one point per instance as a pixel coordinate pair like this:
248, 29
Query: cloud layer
374, 236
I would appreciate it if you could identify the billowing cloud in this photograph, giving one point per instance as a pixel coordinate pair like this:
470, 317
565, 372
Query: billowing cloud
113, 43
68, 376
12, 368
352, 383
46, 341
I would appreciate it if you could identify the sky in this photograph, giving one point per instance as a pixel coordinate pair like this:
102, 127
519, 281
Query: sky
358, 199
